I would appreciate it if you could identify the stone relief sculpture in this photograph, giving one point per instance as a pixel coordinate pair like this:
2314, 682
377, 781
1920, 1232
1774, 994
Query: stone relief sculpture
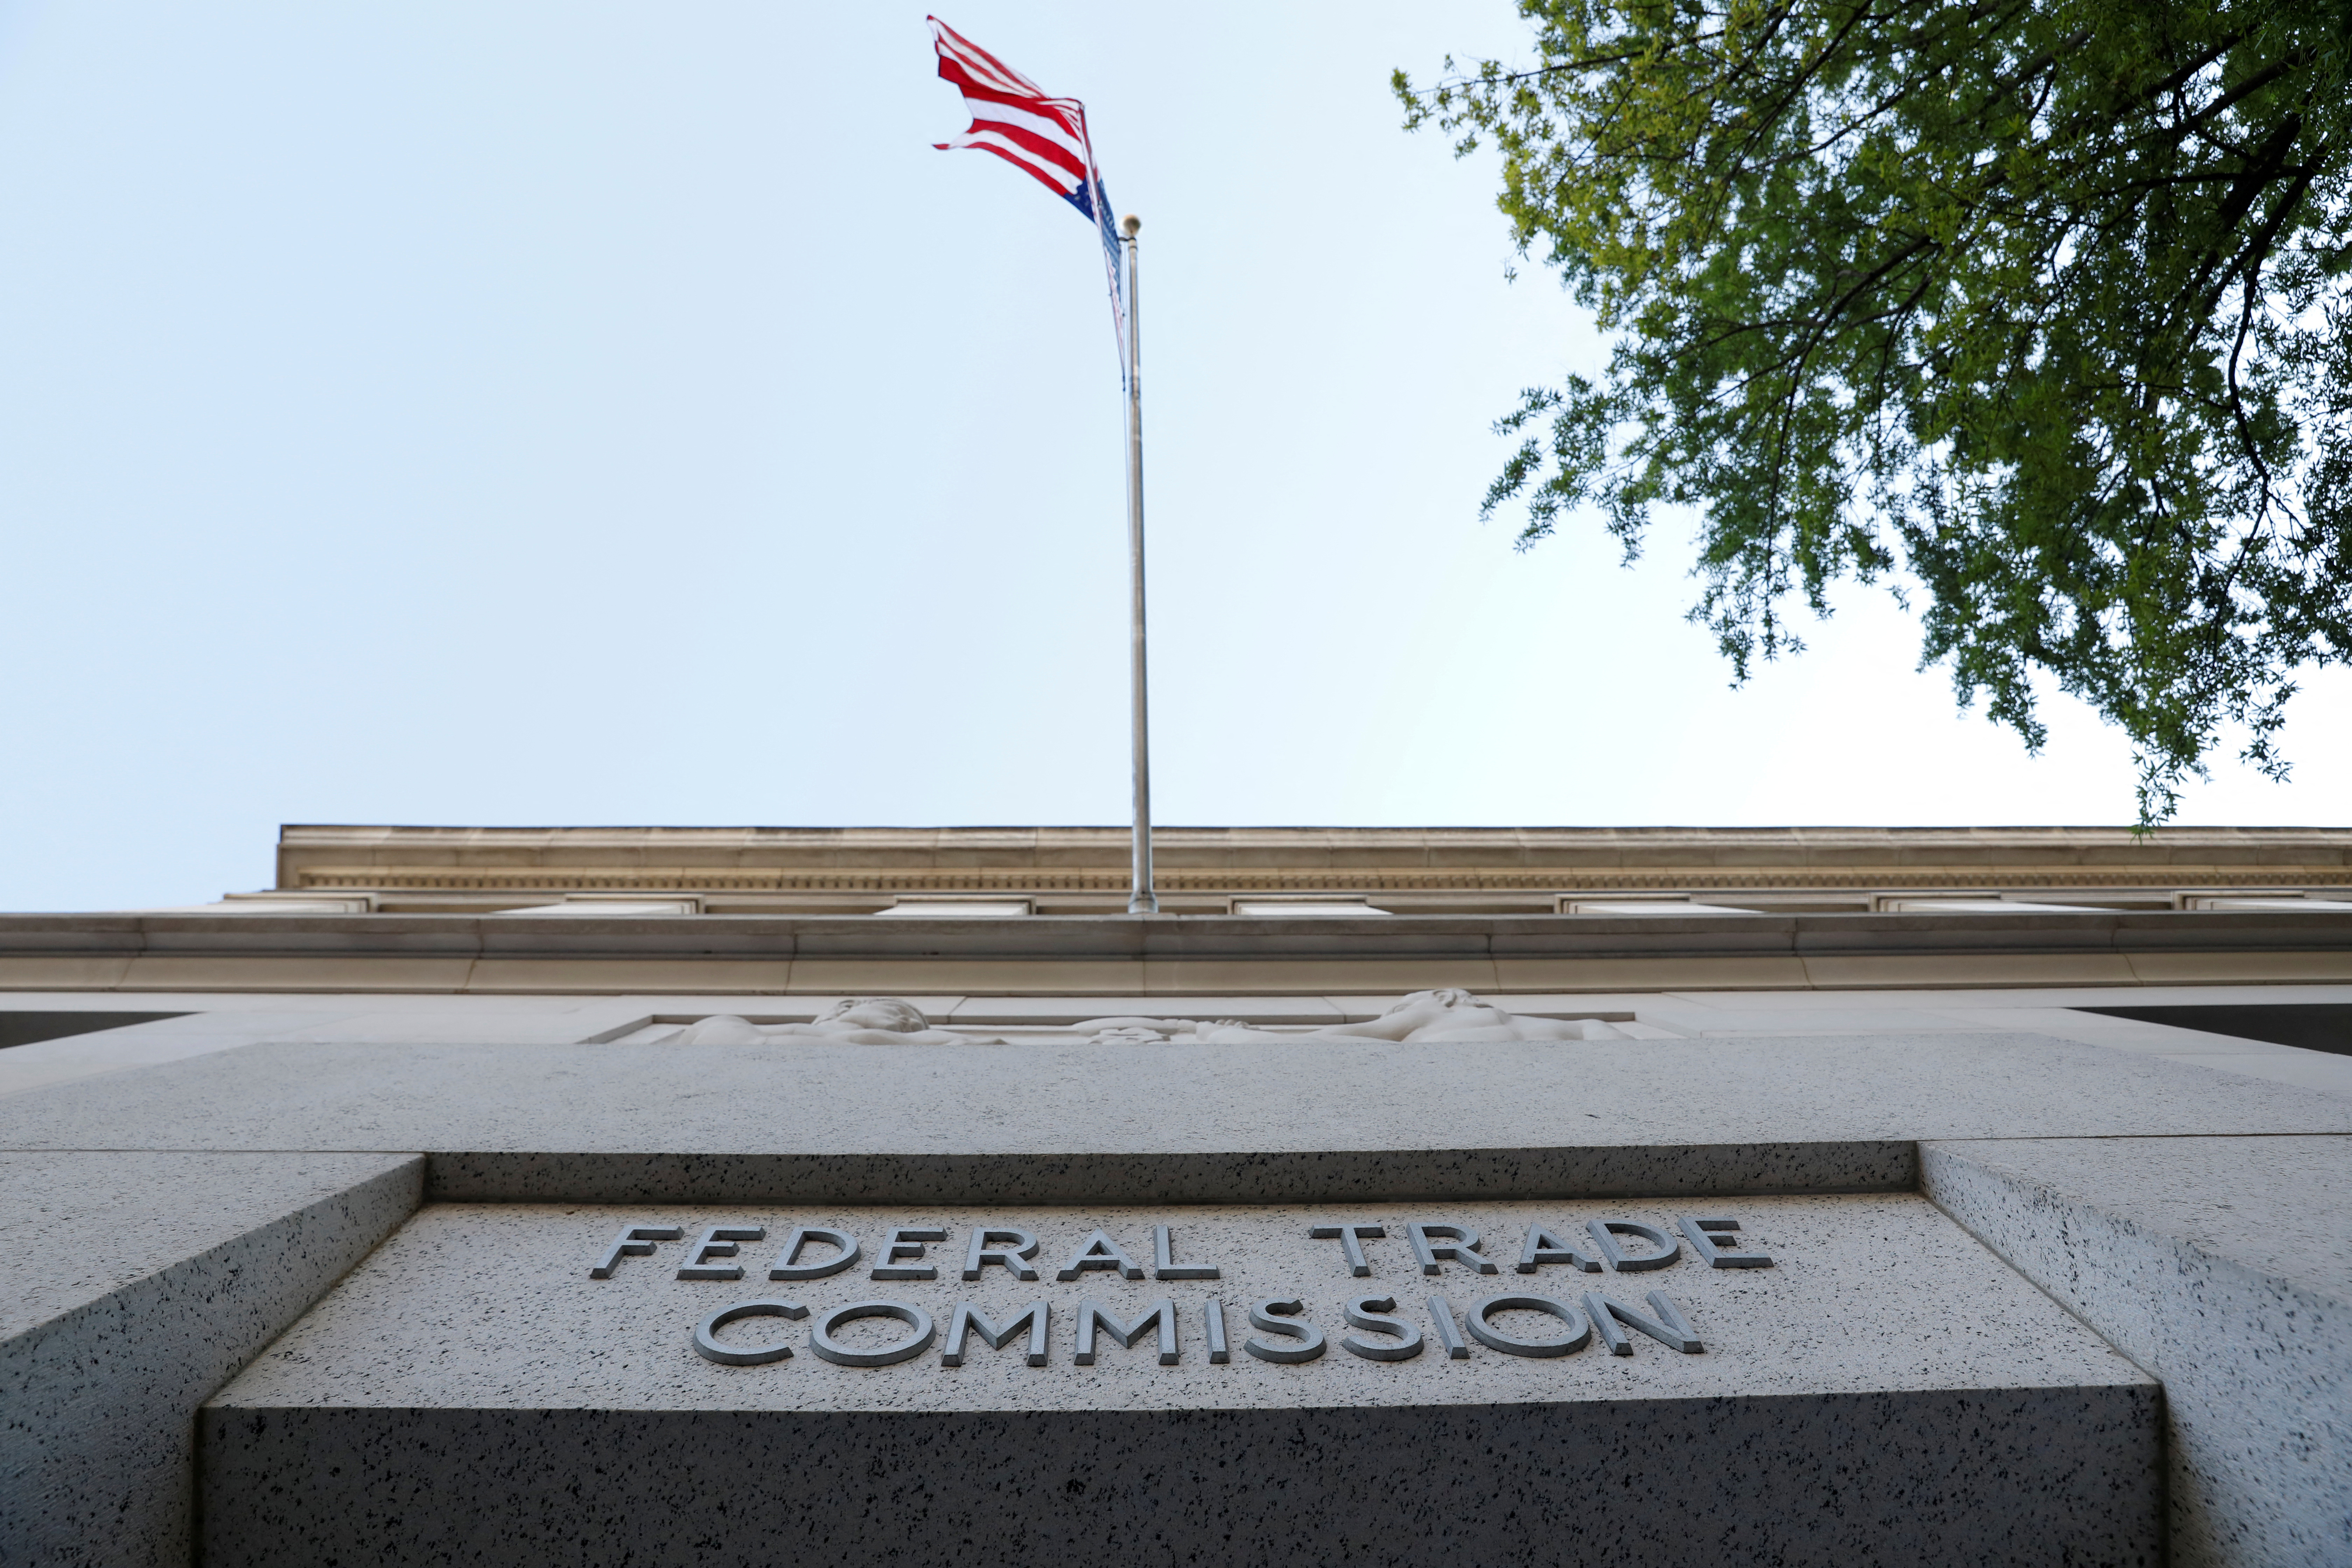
1449, 1013
856, 1021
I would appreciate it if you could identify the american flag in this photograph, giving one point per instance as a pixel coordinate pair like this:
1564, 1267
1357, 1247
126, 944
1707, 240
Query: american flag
1015, 119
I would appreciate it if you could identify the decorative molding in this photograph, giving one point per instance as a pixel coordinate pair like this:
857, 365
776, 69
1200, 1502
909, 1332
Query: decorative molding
1559, 880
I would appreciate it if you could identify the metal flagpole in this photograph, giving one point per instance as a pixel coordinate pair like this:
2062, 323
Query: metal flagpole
1141, 899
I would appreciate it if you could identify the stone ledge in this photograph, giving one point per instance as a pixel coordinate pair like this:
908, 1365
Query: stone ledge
1041, 1102
1850, 1165
1160, 955
140, 1283
769, 937
2224, 1267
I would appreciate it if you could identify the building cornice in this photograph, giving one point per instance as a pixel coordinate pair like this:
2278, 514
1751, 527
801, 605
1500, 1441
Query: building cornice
1210, 863
1127, 956
1295, 878
1302, 846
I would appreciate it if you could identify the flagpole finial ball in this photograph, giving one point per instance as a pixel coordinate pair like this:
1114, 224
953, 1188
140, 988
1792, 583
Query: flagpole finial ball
1128, 224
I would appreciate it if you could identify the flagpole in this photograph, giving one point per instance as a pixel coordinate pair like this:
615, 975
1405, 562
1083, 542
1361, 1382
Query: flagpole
1142, 897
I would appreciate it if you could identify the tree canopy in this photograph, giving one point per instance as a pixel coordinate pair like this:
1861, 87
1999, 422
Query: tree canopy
2037, 311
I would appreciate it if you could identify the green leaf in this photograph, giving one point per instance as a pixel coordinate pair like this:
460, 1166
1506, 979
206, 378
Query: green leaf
2043, 306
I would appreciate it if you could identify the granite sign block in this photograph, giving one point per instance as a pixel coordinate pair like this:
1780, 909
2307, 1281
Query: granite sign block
1627, 1381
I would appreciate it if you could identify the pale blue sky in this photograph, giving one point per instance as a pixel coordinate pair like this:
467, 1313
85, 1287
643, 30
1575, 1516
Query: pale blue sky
613, 413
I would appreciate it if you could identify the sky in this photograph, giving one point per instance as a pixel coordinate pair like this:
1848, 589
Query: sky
597, 413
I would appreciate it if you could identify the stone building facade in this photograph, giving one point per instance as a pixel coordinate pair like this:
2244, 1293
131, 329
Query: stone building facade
1618, 1196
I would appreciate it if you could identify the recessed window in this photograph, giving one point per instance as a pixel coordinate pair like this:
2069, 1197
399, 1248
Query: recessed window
1983, 907
611, 909
269, 904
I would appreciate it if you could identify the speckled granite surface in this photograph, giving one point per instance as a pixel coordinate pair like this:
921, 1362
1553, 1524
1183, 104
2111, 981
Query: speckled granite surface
2020, 1476
617, 1121
2224, 1265
1887, 1379
491, 1304
1241, 1176
138, 1282
1818, 1438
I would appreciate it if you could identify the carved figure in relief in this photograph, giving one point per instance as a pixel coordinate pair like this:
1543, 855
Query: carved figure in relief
1448, 1014
854, 1021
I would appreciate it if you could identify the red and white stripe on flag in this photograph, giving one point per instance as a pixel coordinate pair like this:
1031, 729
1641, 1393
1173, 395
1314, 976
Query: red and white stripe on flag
1019, 121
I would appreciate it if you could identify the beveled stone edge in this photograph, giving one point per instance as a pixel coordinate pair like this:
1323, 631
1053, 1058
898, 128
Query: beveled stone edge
327, 1237
1725, 1170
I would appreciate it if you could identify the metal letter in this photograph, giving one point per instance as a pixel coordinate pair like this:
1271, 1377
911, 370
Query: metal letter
907, 1241
1494, 1338
1099, 1251
634, 1241
1605, 1231
1442, 1309
1542, 1247
1008, 1248
706, 1332
1164, 1265
1668, 1327
1262, 1315
719, 1241
1365, 1313
1349, 1243
1218, 1354
1459, 1242
968, 1318
788, 1264
1092, 1316
821, 1338
1704, 1234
